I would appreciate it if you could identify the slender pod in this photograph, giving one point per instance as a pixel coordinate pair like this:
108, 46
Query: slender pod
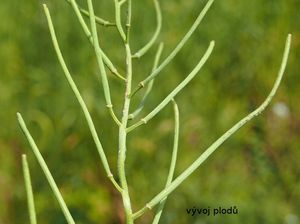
195, 71
46, 171
29, 192
150, 43
172, 164
178, 47
79, 99
103, 74
99, 20
150, 85
87, 32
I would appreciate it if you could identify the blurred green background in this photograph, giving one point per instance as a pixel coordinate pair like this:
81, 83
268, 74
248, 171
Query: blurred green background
257, 170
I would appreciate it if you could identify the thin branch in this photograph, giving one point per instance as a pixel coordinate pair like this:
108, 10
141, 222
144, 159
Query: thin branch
46, 171
150, 85
87, 32
173, 162
103, 74
118, 19
80, 99
99, 20
144, 49
176, 90
176, 50
29, 192
184, 175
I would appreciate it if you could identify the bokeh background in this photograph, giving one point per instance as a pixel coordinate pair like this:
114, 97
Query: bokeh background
257, 170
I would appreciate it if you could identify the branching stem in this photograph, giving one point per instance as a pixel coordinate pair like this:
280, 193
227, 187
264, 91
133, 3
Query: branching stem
102, 60
150, 85
176, 50
210, 150
79, 98
118, 19
87, 32
124, 121
156, 110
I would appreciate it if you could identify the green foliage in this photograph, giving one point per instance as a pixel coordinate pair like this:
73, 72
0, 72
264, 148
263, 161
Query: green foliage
257, 170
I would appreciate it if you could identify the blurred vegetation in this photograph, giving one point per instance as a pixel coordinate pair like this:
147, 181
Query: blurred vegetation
257, 170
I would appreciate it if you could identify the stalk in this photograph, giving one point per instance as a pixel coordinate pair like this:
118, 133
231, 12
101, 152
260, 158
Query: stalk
125, 117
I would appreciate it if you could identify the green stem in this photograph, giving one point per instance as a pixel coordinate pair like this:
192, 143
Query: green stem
79, 99
176, 90
46, 171
172, 165
122, 128
210, 150
145, 49
122, 140
176, 50
29, 192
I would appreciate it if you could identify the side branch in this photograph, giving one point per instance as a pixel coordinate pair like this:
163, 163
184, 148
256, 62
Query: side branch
176, 90
184, 175
144, 49
177, 48
79, 99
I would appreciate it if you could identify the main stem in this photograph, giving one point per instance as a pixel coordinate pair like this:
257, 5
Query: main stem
123, 126
122, 139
